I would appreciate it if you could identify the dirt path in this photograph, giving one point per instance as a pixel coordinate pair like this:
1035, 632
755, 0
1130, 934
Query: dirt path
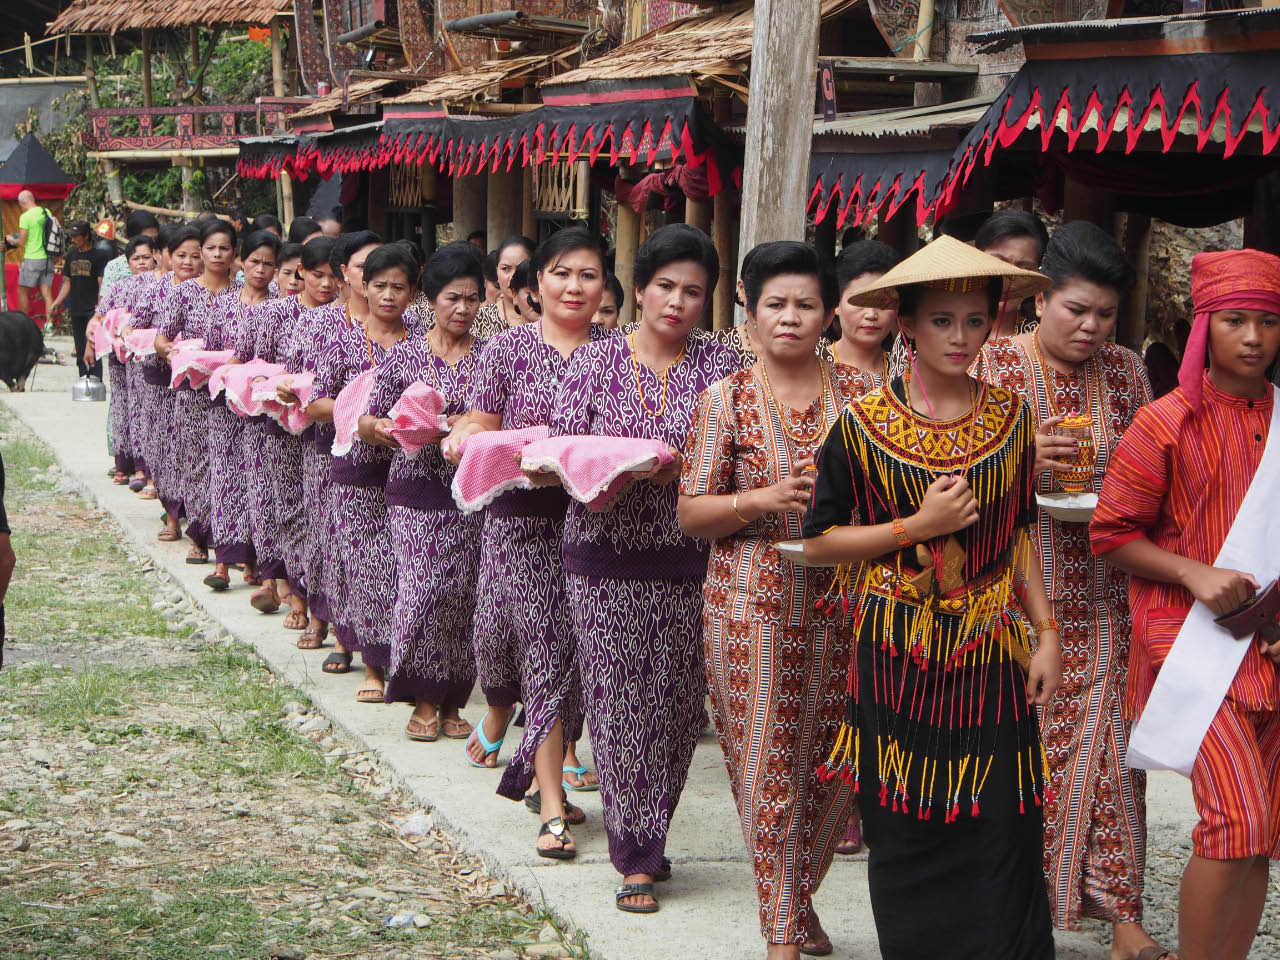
163, 796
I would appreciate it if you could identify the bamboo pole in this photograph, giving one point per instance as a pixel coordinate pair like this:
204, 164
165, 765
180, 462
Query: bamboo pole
115, 192
697, 213
146, 69
277, 60
924, 30
625, 245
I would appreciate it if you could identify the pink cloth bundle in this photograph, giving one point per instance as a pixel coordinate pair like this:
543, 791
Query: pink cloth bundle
418, 418
237, 379
292, 416
103, 342
141, 343
489, 467
351, 403
595, 470
197, 366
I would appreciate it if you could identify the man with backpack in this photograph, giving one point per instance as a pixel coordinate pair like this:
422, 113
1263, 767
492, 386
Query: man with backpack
37, 265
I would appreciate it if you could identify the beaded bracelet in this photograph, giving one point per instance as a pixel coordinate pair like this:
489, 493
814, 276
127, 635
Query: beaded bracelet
900, 533
1049, 623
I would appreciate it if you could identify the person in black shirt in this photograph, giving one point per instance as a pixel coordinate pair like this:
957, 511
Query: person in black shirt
82, 272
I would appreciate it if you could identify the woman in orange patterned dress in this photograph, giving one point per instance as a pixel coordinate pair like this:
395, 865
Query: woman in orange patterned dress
1095, 818
774, 662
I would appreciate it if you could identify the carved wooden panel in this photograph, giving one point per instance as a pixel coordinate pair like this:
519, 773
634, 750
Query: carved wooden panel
1023, 13
313, 64
342, 58
416, 31
896, 21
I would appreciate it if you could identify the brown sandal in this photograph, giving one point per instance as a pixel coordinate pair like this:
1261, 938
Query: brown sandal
264, 601
455, 728
310, 641
423, 731
370, 695
168, 535
296, 620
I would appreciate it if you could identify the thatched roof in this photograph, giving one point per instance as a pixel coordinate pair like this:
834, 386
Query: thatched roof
357, 91
712, 44
464, 84
112, 16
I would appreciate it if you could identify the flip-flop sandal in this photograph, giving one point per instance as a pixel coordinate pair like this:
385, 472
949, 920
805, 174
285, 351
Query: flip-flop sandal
664, 873
120, 479
336, 662
1155, 952
371, 695
217, 582
168, 536
574, 816
263, 603
148, 493
490, 749
310, 641
423, 731
455, 728
635, 890
581, 773
196, 559
295, 624
556, 827
817, 948
137, 485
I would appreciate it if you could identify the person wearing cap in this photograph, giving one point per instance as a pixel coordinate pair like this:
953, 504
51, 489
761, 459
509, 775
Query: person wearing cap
925, 495
1187, 508
1066, 367
82, 276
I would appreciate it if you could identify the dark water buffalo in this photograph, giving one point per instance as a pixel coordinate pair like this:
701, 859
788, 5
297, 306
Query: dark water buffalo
20, 347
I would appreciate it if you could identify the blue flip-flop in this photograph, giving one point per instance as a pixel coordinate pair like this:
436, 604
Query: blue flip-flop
580, 771
489, 748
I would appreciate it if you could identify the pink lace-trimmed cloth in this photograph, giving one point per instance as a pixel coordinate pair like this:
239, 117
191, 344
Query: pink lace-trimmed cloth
351, 403
197, 366
595, 470
141, 343
291, 416
489, 466
238, 379
417, 418
107, 333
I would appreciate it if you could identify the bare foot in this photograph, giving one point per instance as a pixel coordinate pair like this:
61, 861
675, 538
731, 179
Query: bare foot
1128, 940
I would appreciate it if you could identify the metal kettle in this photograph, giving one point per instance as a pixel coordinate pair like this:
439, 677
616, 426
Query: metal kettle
88, 389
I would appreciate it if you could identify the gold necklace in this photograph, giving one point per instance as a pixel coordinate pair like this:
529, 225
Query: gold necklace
1050, 376
915, 425
635, 369
827, 392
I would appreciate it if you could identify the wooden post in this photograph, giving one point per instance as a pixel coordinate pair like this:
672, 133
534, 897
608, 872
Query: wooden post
724, 235
188, 201
1086, 203
470, 211
1132, 330
528, 218
277, 60
286, 198
924, 30
900, 233
775, 177
697, 213
115, 192
505, 212
625, 245
146, 69
428, 188
582, 193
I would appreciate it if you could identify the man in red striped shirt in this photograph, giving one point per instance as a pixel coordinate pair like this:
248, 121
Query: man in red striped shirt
1171, 494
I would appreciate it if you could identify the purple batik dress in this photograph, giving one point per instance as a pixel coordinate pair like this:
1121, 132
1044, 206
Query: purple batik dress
437, 547
359, 504
123, 294
155, 421
230, 473
262, 513
282, 450
635, 592
189, 313
523, 631
142, 289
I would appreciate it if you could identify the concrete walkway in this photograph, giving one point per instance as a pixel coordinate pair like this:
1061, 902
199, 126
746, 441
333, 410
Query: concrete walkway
708, 908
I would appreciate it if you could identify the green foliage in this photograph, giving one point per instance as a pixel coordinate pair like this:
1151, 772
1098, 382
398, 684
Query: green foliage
237, 72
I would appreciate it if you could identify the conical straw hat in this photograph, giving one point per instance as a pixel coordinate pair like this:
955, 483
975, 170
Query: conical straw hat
946, 258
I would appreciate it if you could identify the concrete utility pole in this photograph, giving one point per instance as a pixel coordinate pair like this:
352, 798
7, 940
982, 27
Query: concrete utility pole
784, 70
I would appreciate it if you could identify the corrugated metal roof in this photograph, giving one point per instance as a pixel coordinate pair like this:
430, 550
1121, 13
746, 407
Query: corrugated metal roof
906, 121
112, 16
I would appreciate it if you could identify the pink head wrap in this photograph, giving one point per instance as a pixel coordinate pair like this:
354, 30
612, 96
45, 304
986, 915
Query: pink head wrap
1224, 280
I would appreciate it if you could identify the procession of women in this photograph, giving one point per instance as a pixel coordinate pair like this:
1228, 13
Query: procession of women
915, 540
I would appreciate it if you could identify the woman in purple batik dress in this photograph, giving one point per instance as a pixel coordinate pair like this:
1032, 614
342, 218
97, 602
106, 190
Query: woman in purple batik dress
634, 579
137, 303
282, 450
123, 294
346, 260
358, 494
523, 631
437, 547
190, 312
229, 475
157, 422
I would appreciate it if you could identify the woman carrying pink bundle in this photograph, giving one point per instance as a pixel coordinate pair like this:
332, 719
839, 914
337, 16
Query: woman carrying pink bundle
437, 547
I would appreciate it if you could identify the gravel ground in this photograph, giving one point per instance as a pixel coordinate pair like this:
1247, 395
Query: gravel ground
162, 795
